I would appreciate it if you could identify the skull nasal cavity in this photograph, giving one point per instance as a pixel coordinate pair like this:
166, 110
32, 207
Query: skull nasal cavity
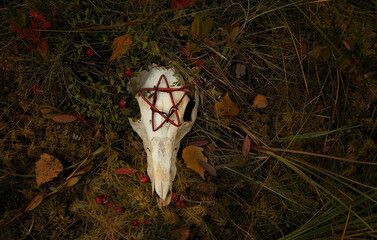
190, 106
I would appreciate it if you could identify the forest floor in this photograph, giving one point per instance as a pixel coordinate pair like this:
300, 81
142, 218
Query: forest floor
287, 119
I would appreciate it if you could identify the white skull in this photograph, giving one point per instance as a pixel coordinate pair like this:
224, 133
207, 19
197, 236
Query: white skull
162, 138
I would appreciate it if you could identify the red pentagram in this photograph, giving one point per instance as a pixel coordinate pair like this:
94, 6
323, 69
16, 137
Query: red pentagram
173, 109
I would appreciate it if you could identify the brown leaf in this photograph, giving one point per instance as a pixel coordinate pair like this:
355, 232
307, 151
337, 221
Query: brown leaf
65, 118
120, 46
71, 182
32, 203
315, 53
226, 108
199, 192
260, 101
97, 135
47, 168
125, 171
191, 155
208, 167
180, 234
199, 143
246, 146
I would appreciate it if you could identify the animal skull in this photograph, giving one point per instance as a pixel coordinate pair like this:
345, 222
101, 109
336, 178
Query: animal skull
161, 125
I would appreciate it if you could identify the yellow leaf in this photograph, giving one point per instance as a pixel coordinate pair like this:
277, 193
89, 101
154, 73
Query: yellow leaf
315, 53
120, 46
195, 25
226, 108
191, 155
260, 101
47, 168
234, 33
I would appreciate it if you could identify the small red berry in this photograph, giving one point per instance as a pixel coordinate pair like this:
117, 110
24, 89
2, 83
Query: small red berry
174, 196
122, 103
178, 203
99, 199
145, 179
121, 210
109, 204
89, 52
128, 73
147, 222
104, 197
135, 222
183, 204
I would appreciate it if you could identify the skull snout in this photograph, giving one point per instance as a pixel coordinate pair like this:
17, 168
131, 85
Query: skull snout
159, 170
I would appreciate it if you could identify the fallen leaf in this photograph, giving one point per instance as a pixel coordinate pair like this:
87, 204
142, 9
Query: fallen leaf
315, 53
191, 155
125, 171
246, 146
180, 234
199, 192
226, 108
260, 101
97, 135
65, 118
32, 203
80, 118
71, 182
180, 3
195, 25
120, 46
345, 43
208, 167
47, 168
199, 143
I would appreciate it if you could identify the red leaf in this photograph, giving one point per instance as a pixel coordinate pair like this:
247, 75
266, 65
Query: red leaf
80, 118
34, 24
46, 25
125, 171
65, 118
213, 43
230, 42
181, 3
246, 146
31, 48
36, 89
345, 43
197, 62
44, 46
37, 16
199, 143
